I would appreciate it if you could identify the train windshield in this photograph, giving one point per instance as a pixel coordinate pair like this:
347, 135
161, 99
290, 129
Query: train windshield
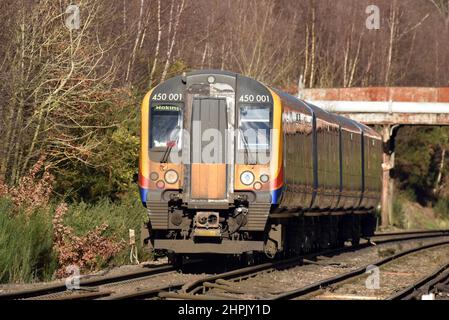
166, 125
255, 125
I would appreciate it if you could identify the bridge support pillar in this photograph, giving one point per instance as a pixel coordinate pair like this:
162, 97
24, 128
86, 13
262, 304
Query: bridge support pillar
387, 181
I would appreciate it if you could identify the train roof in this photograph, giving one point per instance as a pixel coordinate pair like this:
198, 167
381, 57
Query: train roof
345, 123
370, 132
214, 71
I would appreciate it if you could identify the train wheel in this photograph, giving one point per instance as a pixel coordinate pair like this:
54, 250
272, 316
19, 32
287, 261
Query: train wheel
356, 230
247, 259
340, 243
355, 241
270, 249
176, 260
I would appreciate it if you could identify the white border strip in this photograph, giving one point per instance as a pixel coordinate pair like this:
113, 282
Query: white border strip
382, 106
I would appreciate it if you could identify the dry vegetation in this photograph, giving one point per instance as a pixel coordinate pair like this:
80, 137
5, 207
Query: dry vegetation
30, 201
84, 251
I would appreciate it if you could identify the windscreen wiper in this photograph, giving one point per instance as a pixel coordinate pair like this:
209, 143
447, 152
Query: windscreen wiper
170, 145
247, 150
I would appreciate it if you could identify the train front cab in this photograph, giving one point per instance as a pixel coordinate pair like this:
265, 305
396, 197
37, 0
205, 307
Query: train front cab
203, 196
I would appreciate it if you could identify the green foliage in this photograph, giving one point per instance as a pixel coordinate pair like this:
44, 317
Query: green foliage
398, 214
417, 160
420, 217
177, 67
26, 251
442, 208
113, 165
409, 194
27, 254
120, 217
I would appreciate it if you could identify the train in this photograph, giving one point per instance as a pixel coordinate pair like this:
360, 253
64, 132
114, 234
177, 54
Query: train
231, 166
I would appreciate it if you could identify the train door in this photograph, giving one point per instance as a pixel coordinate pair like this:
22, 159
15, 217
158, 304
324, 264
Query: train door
208, 141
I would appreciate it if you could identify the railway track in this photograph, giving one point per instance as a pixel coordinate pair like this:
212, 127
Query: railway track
316, 287
385, 237
89, 288
225, 282
410, 232
435, 286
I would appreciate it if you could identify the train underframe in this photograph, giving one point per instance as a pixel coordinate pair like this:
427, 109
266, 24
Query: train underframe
196, 232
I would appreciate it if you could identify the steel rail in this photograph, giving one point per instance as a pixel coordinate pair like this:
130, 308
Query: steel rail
83, 296
94, 281
406, 233
145, 294
183, 290
423, 285
189, 291
407, 236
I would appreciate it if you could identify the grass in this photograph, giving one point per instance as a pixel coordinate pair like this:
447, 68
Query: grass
26, 250
409, 214
399, 219
442, 208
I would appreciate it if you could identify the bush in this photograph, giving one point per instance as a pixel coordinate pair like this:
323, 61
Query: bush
87, 252
33, 190
409, 194
398, 214
38, 237
26, 251
94, 248
441, 207
29, 252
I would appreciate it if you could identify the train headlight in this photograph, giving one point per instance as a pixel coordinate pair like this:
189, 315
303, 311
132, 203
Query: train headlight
264, 178
160, 184
257, 186
154, 176
247, 178
171, 176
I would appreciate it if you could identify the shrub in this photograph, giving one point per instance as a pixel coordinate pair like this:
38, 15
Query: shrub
38, 240
33, 190
87, 252
26, 251
442, 208
398, 214
120, 216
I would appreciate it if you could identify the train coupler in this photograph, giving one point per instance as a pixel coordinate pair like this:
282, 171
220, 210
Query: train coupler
207, 224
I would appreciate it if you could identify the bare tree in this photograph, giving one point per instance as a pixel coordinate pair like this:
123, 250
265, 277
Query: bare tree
139, 34
175, 18
157, 46
443, 8
57, 89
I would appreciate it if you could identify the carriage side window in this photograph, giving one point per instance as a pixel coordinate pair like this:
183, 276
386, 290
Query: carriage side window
254, 125
166, 126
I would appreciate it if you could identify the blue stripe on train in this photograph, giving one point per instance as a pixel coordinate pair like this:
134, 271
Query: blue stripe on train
143, 195
276, 195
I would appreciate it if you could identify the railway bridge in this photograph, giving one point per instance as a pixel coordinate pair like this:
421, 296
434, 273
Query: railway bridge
386, 108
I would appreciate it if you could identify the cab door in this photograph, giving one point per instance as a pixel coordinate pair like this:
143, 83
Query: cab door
208, 157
